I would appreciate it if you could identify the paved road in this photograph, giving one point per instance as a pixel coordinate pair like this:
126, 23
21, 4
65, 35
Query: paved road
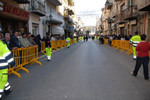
86, 71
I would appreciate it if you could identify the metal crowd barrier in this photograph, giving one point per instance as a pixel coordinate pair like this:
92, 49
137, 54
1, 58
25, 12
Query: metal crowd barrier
43, 47
106, 41
56, 45
123, 45
22, 57
30, 55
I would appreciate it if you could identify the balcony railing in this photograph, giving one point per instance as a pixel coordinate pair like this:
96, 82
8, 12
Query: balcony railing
56, 2
109, 4
37, 8
117, 0
70, 2
144, 5
130, 13
66, 14
53, 21
70, 11
22, 1
121, 17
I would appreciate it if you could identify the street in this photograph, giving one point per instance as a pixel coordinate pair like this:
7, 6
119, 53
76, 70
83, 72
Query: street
85, 71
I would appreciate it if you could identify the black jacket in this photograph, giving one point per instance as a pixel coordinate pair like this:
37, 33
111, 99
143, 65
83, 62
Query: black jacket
15, 42
47, 43
9, 45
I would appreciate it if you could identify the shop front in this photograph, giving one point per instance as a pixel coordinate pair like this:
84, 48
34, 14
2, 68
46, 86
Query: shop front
13, 18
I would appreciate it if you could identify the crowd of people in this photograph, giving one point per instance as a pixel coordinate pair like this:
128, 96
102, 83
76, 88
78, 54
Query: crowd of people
85, 38
17, 40
116, 37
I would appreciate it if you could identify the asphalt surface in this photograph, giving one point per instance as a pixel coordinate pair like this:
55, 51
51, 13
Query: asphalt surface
85, 71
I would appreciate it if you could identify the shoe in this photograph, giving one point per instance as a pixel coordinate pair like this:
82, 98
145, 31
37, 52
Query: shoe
8, 92
49, 59
147, 79
132, 74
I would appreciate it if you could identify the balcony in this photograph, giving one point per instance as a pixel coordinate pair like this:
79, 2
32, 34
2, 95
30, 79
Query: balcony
70, 11
22, 1
144, 5
110, 20
117, 0
66, 15
37, 8
121, 17
109, 5
53, 21
55, 2
131, 13
70, 2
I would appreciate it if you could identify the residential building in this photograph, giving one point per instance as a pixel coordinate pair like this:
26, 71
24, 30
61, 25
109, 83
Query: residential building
37, 10
144, 16
53, 21
68, 17
105, 16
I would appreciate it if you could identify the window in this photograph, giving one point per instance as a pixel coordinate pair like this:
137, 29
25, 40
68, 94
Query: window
35, 29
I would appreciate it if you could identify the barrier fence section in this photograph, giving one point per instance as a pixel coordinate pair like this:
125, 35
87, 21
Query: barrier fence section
56, 45
30, 55
43, 47
22, 57
106, 41
123, 45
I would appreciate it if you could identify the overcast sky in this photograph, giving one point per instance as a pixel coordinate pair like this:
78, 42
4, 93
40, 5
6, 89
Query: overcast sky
89, 5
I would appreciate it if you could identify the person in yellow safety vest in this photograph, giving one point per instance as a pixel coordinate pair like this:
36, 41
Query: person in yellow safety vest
134, 41
95, 37
75, 41
48, 49
6, 58
68, 41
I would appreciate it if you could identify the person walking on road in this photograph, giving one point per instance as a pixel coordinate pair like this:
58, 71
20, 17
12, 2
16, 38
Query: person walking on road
134, 41
48, 49
68, 41
6, 58
84, 38
142, 49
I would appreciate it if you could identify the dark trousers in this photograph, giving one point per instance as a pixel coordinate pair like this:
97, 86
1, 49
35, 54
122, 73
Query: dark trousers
142, 61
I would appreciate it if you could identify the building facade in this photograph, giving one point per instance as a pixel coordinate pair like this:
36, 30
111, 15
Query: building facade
44, 17
12, 17
125, 17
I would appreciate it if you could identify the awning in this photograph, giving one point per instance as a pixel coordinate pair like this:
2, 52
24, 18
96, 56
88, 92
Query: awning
57, 30
146, 8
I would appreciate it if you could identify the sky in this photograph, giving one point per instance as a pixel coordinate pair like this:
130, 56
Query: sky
93, 6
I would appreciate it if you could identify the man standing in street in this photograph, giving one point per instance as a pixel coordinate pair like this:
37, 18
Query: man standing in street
134, 41
5, 59
142, 49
